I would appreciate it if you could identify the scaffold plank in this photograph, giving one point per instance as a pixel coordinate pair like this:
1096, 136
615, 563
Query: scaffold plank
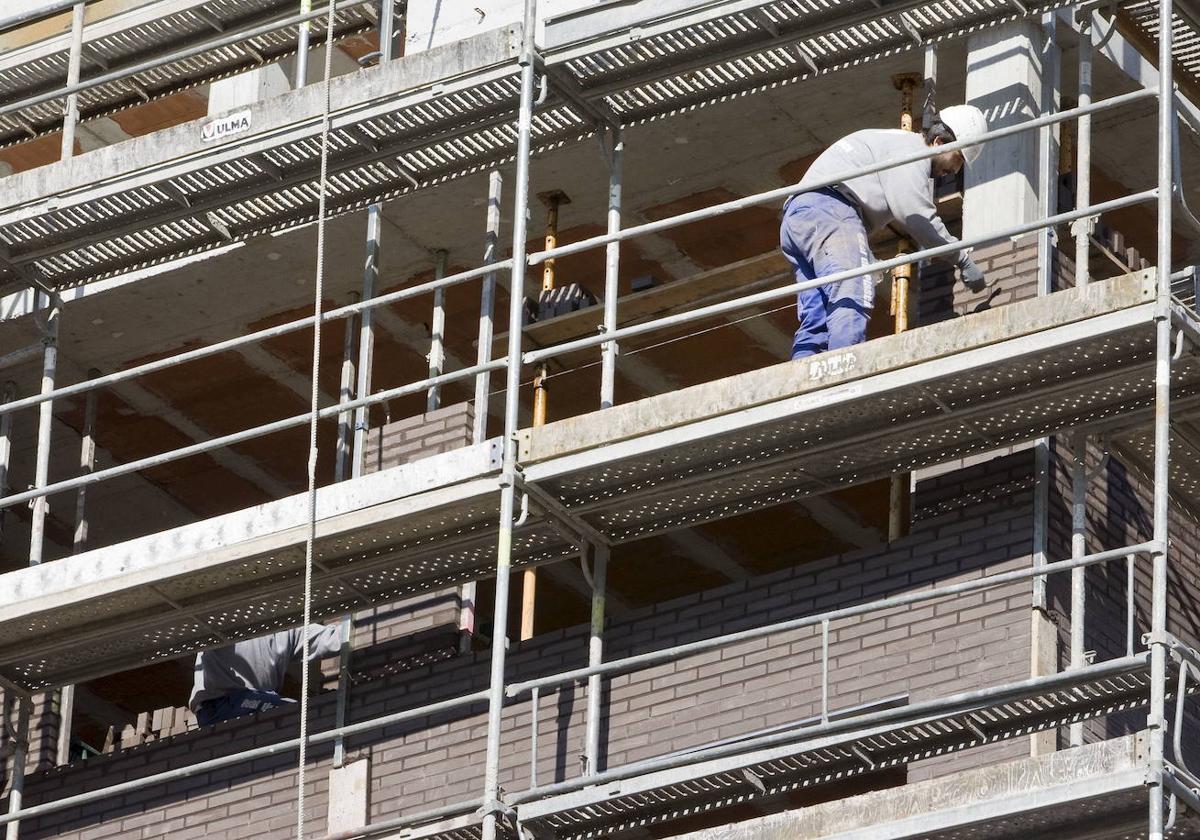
1011, 800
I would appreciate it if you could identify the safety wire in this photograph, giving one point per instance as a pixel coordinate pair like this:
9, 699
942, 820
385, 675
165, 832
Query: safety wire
310, 538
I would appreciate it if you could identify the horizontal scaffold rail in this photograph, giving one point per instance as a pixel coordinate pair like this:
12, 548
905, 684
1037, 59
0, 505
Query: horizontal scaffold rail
1080, 357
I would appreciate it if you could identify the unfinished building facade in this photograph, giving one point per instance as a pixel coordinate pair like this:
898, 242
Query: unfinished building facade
465, 327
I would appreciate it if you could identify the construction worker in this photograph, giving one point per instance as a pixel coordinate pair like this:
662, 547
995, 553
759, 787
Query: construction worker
825, 231
246, 677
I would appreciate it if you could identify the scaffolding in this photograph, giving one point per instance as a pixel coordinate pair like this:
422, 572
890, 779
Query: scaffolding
1105, 356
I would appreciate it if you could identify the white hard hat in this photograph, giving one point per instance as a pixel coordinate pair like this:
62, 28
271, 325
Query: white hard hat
968, 123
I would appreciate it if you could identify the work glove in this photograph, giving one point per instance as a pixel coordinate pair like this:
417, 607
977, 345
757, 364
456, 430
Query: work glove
972, 276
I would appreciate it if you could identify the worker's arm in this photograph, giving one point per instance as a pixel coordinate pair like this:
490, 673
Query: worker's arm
322, 642
909, 193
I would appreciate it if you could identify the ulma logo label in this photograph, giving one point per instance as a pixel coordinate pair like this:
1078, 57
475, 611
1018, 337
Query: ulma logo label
219, 129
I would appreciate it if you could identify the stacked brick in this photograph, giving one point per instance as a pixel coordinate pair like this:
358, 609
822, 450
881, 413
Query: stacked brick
404, 441
928, 651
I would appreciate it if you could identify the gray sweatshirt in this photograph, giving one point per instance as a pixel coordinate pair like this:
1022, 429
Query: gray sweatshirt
903, 195
258, 664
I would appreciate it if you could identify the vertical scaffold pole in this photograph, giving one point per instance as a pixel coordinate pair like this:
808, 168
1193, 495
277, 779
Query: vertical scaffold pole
37, 528
487, 307
6, 422
362, 415
37, 533
301, 75
600, 554
612, 265
1079, 480
1083, 162
87, 464
491, 790
341, 462
437, 333
71, 107
608, 370
1156, 720
1043, 634
487, 311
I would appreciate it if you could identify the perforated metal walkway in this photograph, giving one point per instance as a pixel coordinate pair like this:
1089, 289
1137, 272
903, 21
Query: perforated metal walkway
840, 749
145, 34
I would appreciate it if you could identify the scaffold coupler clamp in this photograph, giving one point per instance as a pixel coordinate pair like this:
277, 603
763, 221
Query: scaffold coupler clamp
1085, 225
600, 328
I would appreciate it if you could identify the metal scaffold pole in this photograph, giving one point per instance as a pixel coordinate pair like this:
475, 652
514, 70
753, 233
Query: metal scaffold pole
1156, 719
437, 333
1079, 481
492, 807
6, 423
1082, 228
37, 533
487, 312
342, 451
71, 108
612, 264
87, 464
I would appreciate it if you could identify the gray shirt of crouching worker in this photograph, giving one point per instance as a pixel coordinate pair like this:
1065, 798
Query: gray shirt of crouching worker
258, 664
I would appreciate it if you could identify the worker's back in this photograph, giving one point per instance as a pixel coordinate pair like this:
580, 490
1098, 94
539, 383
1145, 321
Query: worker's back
257, 664
877, 194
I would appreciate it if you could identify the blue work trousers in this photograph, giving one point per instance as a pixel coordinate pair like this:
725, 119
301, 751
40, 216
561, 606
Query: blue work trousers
246, 701
821, 234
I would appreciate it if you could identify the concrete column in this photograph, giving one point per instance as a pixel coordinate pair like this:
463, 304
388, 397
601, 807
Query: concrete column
1004, 79
247, 88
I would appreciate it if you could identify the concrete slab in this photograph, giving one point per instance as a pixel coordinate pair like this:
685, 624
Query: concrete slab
793, 379
1102, 781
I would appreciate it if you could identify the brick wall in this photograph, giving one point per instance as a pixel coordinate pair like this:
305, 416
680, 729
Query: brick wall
1011, 265
403, 441
927, 651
